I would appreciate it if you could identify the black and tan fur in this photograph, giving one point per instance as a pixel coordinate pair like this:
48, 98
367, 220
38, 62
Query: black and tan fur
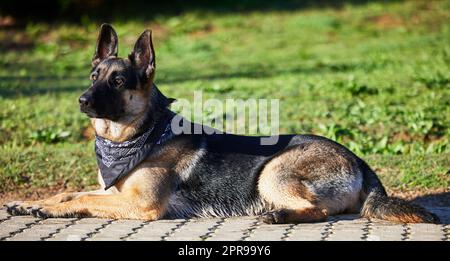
304, 179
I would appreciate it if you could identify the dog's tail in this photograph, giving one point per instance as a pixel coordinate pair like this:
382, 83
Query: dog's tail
377, 204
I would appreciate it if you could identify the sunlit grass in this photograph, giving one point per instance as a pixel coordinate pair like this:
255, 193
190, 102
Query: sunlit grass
374, 77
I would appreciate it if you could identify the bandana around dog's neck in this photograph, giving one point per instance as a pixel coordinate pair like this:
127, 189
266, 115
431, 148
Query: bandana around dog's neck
117, 159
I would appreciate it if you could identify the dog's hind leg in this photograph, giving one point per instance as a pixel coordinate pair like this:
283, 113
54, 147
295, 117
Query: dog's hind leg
307, 183
289, 202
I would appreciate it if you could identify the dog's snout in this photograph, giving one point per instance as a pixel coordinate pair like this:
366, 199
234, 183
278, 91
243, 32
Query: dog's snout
84, 101
87, 104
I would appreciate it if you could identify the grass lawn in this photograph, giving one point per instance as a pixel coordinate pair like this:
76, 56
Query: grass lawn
375, 77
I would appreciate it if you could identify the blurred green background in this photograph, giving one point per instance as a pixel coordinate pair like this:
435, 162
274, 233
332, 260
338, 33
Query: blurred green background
373, 75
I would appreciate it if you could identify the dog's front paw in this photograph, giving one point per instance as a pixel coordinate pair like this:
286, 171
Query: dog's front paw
53, 212
18, 208
40, 212
274, 217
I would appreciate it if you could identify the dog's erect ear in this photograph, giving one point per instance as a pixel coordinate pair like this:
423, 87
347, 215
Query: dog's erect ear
107, 44
143, 55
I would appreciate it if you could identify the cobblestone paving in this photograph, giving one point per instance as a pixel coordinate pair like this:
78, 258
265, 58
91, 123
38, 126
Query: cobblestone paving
344, 227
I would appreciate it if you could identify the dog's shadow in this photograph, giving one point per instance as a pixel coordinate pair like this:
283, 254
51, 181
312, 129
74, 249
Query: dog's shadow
438, 203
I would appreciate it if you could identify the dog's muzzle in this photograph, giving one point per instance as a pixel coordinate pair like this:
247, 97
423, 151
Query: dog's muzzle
86, 104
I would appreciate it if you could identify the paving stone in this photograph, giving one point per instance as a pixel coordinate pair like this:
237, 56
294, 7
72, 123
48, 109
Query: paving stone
385, 231
267, 232
116, 230
193, 230
128, 223
76, 236
307, 232
342, 227
57, 221
106, 238
233, 229
426, 232
80, 230
37, 232
15, 224
347, 230
156, 230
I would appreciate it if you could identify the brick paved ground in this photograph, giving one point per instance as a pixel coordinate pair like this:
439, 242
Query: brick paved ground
345, 227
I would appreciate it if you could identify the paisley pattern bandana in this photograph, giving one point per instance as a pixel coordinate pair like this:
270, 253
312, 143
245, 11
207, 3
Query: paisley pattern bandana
117, 159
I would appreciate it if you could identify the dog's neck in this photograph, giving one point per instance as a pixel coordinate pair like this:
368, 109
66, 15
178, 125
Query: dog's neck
129, 127
117, 131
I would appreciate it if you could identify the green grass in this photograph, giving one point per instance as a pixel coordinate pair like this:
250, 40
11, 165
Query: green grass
375, 77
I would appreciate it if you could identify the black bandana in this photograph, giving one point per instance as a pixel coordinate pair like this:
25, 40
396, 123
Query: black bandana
117, 159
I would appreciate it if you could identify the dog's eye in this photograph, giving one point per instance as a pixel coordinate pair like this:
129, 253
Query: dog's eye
118, 81
94, 77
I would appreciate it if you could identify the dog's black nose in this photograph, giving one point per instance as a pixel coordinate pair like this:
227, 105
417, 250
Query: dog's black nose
83, 101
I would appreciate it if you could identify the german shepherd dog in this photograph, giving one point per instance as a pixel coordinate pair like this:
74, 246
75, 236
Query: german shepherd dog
302, 178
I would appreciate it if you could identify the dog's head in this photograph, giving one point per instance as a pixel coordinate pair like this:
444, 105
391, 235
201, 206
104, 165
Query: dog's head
121, 87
